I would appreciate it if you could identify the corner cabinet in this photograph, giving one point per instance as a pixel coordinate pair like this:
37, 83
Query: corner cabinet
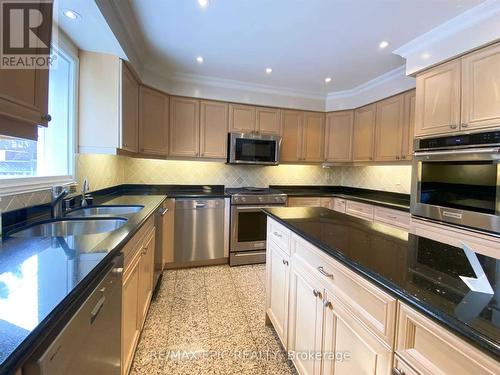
364, 133
338, 136
153, 122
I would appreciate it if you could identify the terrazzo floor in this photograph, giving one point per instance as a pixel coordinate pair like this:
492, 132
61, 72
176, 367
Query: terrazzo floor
210, 320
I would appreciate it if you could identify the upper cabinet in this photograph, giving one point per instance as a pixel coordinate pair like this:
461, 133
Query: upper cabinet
480, 89
129, 110
460, 95
250, 119
213, 129
184, 127
241, 118
364, 131
338, 136
438, 100
389, 125
313, 137
153, 122
408, 125
303, 136
267, 120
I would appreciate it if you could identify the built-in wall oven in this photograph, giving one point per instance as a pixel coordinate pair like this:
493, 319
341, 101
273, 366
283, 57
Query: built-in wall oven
249, 223
456, 180
253, 148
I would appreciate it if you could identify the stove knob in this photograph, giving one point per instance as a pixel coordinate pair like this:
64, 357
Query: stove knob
260, 199
243, 199
236, 199
278, 199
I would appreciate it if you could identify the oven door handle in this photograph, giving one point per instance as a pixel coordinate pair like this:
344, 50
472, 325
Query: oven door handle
494, 150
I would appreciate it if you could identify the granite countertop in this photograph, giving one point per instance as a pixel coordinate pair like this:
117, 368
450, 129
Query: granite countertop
396, 201
171, 191
41, 277
420, 272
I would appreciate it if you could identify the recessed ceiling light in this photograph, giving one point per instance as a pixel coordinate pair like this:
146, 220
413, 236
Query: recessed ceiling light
383, 44
71, 14
269, 70
425, 55
328, 79
199, 59
203, 3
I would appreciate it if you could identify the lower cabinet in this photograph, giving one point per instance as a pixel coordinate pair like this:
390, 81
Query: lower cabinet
278, 276
137, 289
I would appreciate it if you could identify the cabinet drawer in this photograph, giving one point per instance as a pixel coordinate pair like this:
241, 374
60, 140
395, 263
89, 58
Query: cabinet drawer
393, 217
375, 308
304, 202
339, 205
327, 202
134, 244
361, 210
432, 349
279, 235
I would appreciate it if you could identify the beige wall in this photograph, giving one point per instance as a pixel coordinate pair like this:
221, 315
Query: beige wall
395, 178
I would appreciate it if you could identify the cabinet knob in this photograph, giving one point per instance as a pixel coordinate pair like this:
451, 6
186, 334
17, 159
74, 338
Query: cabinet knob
327, 304
403, 157
316, 293
453, 126
397, 158
396, 371
371, 158
47, 118
464, 125
285, 262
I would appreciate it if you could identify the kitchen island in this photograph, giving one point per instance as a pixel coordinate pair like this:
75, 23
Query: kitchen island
391, 299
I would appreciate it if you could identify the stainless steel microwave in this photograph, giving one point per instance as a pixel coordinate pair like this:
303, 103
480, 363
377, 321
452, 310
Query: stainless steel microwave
456, 180
253, 148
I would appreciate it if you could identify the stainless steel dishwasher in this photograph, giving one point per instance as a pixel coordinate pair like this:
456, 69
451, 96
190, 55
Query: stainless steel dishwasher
201, 230
90, 343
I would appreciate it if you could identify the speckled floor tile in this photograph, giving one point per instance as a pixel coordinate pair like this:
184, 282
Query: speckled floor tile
210, 320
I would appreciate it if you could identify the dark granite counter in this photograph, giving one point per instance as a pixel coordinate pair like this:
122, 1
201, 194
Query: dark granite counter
41, 277
420, 272
380, 198
171, 191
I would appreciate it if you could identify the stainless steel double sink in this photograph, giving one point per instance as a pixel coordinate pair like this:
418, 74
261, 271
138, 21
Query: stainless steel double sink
81, 221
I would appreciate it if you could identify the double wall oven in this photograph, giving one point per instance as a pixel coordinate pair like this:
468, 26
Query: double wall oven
249, 223
456, 180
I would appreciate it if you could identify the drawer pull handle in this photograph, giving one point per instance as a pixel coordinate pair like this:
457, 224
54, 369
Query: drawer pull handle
396, 371
277, 234
324, 273
392, 217
285, 262
316, 293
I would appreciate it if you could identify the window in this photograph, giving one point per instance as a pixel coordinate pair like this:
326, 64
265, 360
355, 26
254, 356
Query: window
52, 155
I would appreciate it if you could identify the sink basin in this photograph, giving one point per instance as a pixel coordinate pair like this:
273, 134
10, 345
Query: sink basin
104, 210
71, 227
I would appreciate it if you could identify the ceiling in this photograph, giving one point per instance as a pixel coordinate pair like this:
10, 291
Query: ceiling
303, 41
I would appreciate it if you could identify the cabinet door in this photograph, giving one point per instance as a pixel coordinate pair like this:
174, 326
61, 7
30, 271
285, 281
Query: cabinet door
168, 232
213, 129
305, 319
338, 139
389, 129
241, 118
313, 137
146, 270
130, 310
291, 131
153, 122
268, 120
278, 277
357, 350
408, 126
363, 133
480, 89
129, 111
184, 127
438, 100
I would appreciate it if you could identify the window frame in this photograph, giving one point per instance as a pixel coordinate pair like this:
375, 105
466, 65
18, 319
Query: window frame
21, 185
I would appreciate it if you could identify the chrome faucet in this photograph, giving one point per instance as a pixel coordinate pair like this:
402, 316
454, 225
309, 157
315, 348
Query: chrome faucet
58, 193
85, 190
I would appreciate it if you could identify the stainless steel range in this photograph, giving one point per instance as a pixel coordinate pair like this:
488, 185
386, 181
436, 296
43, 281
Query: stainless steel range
249, 223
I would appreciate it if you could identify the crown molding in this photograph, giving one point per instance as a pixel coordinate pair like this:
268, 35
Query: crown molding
469, 30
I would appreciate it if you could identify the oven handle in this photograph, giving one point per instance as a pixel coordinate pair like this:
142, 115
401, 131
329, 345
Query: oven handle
243, 208
494, 150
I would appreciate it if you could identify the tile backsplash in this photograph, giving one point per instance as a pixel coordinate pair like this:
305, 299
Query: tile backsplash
109, 170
